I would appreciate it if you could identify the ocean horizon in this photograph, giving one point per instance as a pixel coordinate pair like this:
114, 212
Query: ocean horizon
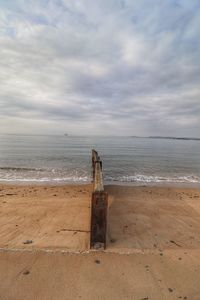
60, 159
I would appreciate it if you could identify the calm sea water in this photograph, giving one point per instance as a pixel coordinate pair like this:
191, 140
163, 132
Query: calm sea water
64, 159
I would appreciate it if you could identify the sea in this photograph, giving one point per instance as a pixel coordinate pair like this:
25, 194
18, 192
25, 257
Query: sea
55, 159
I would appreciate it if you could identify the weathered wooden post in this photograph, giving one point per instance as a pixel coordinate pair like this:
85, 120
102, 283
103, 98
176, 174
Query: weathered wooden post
98, 206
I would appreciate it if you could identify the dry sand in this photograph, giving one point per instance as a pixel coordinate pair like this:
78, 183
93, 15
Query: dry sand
153, 244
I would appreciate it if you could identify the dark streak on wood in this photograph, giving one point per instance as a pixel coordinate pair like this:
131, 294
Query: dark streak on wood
98, 206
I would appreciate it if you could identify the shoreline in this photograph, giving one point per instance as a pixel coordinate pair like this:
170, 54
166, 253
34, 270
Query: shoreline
106, 183
156, 184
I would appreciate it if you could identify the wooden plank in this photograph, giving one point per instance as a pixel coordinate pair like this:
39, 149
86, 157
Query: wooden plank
98, 206
98, 179
98, 220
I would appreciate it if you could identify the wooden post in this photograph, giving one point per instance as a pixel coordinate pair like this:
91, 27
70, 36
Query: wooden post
98, 206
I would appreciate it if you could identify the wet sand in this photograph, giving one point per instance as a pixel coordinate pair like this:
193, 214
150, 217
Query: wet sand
153, 244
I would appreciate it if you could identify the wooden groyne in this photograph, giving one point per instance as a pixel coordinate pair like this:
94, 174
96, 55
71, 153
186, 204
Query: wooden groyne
98, 206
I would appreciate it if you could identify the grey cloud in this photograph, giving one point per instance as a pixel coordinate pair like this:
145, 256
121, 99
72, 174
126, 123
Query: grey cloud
128, 64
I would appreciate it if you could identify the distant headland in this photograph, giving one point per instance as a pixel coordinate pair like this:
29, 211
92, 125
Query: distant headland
168, 138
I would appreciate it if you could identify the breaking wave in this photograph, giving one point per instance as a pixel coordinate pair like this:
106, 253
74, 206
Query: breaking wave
39, 175
47, 180
19, 169
57, 176
139, 178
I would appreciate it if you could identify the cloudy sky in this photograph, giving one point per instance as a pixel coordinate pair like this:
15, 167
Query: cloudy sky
114, 67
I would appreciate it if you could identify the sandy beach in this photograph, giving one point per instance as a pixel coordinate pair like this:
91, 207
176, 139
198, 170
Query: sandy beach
153, 249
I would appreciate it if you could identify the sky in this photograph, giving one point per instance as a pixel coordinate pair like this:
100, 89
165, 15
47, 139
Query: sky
103, 67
